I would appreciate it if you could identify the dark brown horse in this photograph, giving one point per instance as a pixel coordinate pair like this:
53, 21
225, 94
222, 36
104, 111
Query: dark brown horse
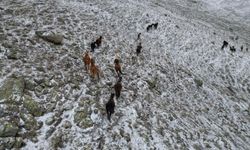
118, 67
98, 42
118, 87
110, 106
138, 49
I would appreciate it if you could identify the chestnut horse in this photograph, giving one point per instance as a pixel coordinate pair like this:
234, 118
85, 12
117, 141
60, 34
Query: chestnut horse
94, 70
86, 60
117, 66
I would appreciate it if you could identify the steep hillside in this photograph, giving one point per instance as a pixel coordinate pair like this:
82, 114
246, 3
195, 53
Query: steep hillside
181, 92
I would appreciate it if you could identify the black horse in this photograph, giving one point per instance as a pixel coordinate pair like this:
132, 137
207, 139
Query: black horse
138, 49
232, 49
139, 36
93, 46
155, 25
110, 106
225, 44
149, 27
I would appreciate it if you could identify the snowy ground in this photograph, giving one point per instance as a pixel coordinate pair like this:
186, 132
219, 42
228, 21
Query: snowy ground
161, 106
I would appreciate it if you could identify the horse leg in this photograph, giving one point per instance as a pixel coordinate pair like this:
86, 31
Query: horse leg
109, 115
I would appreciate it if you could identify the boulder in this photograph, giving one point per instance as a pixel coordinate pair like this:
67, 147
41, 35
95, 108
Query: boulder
82, 119
30, 122
55, 38
198, 82
8, 130
50, 120
12, 89
33, 107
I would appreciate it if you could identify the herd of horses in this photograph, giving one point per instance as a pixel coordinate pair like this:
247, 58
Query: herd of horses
232, 48
94, 71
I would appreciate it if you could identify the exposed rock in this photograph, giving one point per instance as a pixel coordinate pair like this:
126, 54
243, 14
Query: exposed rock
68, 107
50, 107
152, 83
12, 54
50, 121
7, 143
8, 130
12, 89
55, 38
57, 142
39, 80
34, 139
29, 85
67, 124
33, 107
18, 143
198, 82
29, 121
82, 119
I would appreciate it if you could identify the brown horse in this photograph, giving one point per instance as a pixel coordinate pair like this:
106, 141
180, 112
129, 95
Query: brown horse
118, 67
86, 60
94, 70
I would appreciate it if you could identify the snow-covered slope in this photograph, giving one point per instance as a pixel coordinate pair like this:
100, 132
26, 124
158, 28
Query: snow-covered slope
182, 92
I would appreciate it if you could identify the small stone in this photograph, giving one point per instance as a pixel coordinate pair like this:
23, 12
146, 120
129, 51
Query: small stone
198, 82
34, 139
170, 118
67, 124
40, 125
68, 107
50, 121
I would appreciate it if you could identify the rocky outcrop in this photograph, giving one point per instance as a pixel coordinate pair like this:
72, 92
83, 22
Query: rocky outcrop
8, 130
82, 119
33, 107
12, 90
55, 38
